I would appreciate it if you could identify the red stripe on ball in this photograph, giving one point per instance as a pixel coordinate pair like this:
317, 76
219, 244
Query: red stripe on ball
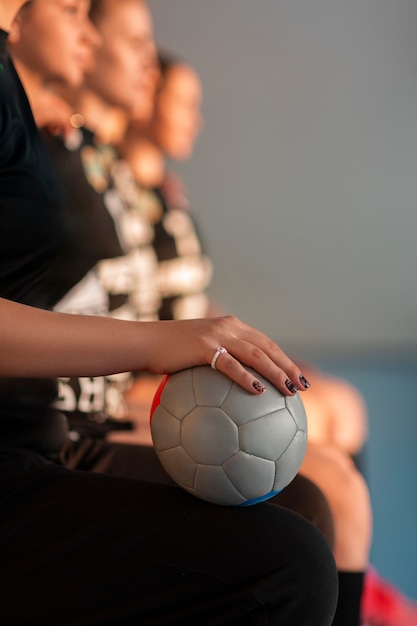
157, 397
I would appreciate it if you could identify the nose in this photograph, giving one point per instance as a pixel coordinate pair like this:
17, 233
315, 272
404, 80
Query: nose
91, 35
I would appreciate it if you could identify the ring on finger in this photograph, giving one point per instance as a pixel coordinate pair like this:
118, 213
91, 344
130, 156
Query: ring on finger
220, 350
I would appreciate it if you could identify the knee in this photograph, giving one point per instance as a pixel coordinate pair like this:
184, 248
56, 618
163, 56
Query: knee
304, 497
307, 596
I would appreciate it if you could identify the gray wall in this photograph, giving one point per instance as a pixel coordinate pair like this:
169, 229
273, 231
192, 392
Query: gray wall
305, 178
304, 183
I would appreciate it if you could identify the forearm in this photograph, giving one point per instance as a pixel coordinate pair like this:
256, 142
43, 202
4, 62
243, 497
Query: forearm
37, 343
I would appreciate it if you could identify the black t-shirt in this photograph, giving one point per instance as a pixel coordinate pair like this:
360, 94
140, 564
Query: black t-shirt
94, 398
38, 264
97, 238
184, 269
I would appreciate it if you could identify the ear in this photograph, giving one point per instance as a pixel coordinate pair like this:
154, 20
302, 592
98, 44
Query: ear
15, 32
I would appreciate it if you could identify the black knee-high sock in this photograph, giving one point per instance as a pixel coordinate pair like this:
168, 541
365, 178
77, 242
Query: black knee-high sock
350, 595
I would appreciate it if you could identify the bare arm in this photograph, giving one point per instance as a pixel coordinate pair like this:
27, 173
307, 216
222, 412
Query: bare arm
37, 343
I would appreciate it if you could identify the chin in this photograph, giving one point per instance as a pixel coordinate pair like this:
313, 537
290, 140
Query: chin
76, 81
181, 154
126, 105
73, 81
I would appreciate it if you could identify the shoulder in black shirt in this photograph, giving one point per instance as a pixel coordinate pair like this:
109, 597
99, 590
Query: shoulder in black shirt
37, 264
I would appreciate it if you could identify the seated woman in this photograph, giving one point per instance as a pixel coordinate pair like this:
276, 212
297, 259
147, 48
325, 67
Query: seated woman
82, 545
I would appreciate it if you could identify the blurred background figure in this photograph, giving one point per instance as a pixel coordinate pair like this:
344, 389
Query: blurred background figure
339, 429
163, 129
337, 413
168, 128
167, 132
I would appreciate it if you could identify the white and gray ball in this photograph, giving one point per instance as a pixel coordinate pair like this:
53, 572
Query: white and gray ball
224, 444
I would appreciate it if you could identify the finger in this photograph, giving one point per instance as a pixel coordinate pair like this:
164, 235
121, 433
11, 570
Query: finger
230, 366
296, 377
233, 362
265, 356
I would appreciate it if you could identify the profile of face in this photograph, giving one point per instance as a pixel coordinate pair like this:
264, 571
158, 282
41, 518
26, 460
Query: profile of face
144, 104
177, 119
127, 50
55, 39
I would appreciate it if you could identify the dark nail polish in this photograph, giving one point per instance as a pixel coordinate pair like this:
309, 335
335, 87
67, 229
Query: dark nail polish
258, 386
304, 382
290, 386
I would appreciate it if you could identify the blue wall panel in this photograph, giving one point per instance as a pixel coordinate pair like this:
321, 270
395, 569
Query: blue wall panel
390, 462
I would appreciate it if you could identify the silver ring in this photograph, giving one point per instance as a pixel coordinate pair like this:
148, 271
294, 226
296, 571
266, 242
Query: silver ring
220, 350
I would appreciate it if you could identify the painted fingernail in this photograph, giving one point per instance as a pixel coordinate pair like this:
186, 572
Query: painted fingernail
258, 386
304, 382
290, 386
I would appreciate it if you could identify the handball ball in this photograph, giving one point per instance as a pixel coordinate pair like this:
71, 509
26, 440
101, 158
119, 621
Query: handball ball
224, 444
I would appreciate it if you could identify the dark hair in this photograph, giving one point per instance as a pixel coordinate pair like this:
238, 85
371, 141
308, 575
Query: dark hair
96, 9
167, 61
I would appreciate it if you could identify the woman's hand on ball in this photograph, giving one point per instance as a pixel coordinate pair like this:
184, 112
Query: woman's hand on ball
176, 345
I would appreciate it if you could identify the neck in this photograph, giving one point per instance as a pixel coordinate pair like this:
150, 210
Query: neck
8, 10
50, 108
107, 122
146, 160
32, 83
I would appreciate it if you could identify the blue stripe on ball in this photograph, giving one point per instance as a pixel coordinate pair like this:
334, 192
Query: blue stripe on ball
271, 494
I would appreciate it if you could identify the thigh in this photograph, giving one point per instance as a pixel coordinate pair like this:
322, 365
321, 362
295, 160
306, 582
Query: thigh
116, 459
141, 462
85, 548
